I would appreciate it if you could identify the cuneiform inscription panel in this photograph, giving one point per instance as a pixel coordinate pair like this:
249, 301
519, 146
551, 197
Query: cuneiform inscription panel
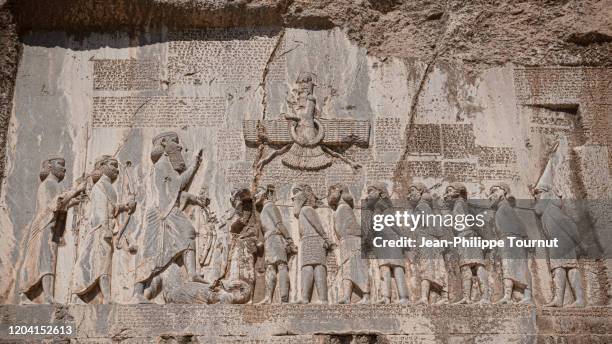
562, 85
425, 139
278, 174
225, 55
229, 144
457, 140
388, 135
158, 111
126, 75
554, 123
431, 169
488, 156
459, 171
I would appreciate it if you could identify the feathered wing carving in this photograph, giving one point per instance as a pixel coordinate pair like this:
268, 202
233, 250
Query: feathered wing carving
338, 132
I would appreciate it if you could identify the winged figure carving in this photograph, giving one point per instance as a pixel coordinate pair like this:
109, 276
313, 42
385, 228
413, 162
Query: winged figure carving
307, 142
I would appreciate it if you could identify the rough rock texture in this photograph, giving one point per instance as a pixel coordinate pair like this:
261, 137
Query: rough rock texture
413, 91
9, 54
9, 47
480, 34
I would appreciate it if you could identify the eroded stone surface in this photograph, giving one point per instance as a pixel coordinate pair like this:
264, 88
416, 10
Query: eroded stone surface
308, 323
199, 160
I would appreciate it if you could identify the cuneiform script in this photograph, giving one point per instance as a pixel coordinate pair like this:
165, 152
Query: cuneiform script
459, 171
598, 119
388, 135
457, 140
495, 174
342, 173
126, 75
562, 85
425, 139
199, 56
379, 170
158, 111
488, 156
239, 173
423, 168
552, 122
278, 174
229, 144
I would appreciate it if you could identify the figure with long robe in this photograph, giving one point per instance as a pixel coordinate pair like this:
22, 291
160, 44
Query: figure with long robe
353, 268
99, 228
45, 231
556, 224
514, 260
168, 233
471, 259
432, 265
391, 260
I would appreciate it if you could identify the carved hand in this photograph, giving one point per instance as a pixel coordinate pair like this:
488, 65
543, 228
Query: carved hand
131, 206
328, 244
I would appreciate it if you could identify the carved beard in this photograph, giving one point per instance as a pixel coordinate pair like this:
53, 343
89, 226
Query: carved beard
495, 198
111, 172
372, 200
334, 199
298, 202
58, 171
451, 197
173, 150
298, 98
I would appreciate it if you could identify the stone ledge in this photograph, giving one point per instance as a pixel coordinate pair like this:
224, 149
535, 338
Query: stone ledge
314, 323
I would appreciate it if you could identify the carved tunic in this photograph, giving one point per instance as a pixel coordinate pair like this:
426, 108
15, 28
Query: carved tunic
95, 249
467, 255
167, 231
312, 235
41, 246
557, 224
275, 235
389, 256
352, 266
432, 265
242, 250
514, 259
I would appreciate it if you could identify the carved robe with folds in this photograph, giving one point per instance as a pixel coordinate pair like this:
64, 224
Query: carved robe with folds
40, 254
556, 224
468, 256
352, 266
514, 259
167, 231
432, 264
95, 249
